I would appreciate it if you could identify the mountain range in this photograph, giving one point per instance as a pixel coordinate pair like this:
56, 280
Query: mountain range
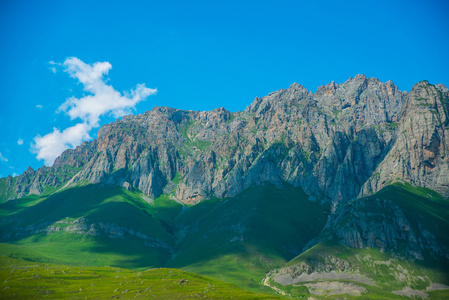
339, 193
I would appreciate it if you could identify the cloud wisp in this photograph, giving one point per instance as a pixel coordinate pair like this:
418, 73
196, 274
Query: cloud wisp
20, 141
102, 100
2, 158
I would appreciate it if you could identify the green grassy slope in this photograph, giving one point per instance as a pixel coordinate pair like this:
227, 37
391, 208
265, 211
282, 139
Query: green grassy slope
240, 239
25, 221
391, 271
236, 239
25, 280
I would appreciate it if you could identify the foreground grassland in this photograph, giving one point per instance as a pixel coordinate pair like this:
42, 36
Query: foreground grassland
232, 243
23, 279
236, 240
96, 204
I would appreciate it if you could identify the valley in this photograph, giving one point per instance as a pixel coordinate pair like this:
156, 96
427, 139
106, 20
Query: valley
342, 193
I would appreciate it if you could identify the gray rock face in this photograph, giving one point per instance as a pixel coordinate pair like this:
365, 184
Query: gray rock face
344, 141
376, 225
419, 152
376, 222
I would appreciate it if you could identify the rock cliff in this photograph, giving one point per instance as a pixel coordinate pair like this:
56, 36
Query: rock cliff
344, 141
419, 153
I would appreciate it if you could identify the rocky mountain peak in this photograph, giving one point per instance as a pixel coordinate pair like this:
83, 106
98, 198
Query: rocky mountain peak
328, 89
277, 99
345, 140
358, 81
295, 87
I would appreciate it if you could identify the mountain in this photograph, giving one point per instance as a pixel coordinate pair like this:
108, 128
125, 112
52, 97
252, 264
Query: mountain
344, 141
297, 183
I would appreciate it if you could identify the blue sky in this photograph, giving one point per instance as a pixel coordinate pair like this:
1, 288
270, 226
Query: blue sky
199, 55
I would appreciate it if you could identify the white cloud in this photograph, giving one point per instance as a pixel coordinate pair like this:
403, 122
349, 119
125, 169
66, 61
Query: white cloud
19, 142
102, 100
53, 69
2, 158
51, 145
39, 106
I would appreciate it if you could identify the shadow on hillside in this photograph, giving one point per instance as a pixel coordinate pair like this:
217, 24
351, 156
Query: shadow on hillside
125, 227
258, 229
240, 239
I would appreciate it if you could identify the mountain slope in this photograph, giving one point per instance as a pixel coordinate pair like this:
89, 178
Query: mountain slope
395, 242
331, 270
93, 225
239, 239
235, 239
400, 218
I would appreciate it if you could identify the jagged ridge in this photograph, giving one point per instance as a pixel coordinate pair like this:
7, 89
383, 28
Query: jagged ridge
344, 141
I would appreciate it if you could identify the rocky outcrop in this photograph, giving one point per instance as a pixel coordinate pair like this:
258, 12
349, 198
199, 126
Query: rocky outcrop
344, 141
419, 153
338, 270
377, 222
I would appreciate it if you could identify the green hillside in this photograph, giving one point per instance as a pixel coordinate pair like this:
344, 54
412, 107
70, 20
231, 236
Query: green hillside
237, 240
332, 270
25, 280
240, 239
234, 239
58, 228
335, 270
